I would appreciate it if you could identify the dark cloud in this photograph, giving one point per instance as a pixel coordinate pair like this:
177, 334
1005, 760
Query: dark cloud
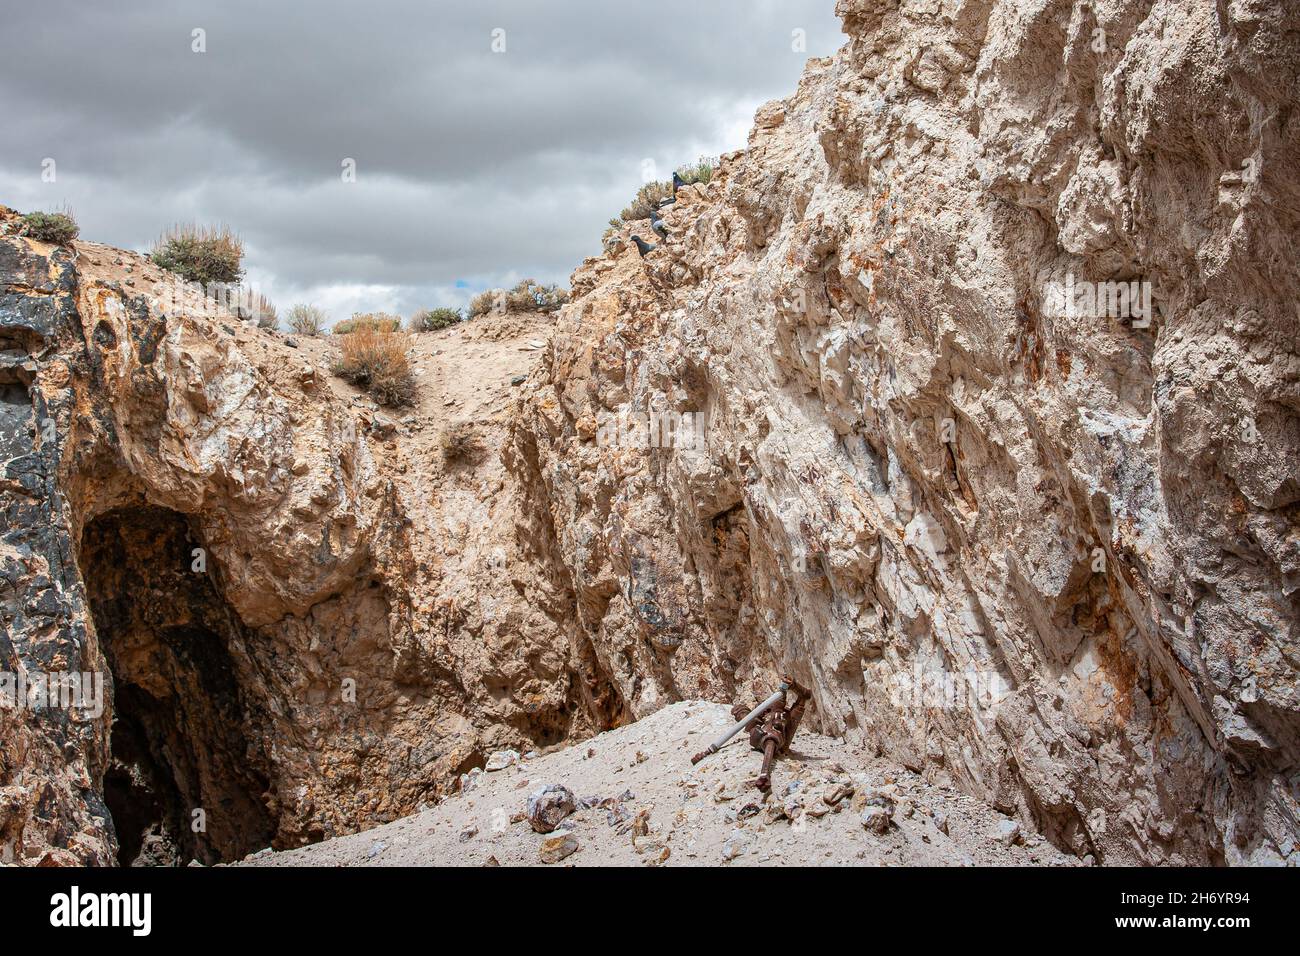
474, 167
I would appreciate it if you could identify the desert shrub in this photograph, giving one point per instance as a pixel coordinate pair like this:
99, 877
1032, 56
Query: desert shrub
458, 442
486, 301
379, 321
57, 227
700, 171
306, 320
258, 309
647, 198
530, 296
650, 195
374, 358
551, 298
431, 320
526, 296
203, 254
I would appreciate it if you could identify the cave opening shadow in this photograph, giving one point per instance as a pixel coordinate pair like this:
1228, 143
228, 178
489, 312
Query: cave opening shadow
188, 774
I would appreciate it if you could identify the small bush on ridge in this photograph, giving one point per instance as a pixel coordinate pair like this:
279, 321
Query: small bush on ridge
306, 320
487, 301
56, 227
650, 195
203, 254
647, 198
431, 320
375, 359
526, 296
700, 171
379, 321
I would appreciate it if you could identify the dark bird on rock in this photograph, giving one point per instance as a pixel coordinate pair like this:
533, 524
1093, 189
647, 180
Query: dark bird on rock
642, 246
678, 183
666, 201
657, 225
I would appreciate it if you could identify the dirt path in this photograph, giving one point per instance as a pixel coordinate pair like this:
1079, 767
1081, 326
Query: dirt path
463, 373
658, 809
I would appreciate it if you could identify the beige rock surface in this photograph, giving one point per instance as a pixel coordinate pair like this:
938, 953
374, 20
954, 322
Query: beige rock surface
1046, 555
644, 804
1043, 555
367, 624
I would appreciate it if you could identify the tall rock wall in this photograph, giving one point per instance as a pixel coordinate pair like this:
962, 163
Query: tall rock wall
966, 394
301, 625
1028, 529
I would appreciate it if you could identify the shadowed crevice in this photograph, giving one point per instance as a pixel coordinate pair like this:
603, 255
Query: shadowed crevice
186, 780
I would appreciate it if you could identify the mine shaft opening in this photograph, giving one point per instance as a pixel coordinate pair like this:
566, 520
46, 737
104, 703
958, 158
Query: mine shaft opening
187, 774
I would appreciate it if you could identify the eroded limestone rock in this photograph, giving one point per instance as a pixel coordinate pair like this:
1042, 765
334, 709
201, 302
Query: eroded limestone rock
993, 324
966, 393
301, 628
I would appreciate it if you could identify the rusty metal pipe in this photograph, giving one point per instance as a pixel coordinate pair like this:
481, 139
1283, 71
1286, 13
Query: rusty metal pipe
765, 775
742, 724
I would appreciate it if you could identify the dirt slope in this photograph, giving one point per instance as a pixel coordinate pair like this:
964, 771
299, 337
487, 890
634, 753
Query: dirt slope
463, 373
706, 815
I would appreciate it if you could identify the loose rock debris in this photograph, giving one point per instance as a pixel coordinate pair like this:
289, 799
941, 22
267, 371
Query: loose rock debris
829, 805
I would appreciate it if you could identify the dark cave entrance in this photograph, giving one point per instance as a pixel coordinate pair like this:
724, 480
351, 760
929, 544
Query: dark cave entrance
188, 774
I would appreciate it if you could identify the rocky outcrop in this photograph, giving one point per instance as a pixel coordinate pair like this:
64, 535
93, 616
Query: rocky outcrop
966, 394
302, 622
993, 326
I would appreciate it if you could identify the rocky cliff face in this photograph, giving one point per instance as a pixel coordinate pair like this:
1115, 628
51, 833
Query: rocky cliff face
967, 393
1025, 530
305, 620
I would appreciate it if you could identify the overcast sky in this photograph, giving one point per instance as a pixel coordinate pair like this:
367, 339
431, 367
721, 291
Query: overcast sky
473, 168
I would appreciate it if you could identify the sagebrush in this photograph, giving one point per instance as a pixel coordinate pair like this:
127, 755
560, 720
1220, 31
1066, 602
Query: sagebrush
203, 254
306, 319
379, 321
57, 227
526, 295
647, 198
489, 300
431, 320
373, 358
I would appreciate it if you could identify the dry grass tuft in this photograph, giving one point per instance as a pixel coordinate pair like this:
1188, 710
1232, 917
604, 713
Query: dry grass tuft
700, 171
306, 320
379, 321
458, 442
374, 358
258, 309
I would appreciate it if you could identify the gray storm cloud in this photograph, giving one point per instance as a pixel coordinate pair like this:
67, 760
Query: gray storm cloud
474, 168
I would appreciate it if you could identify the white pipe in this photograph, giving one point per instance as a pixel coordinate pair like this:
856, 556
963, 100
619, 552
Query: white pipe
744, 721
